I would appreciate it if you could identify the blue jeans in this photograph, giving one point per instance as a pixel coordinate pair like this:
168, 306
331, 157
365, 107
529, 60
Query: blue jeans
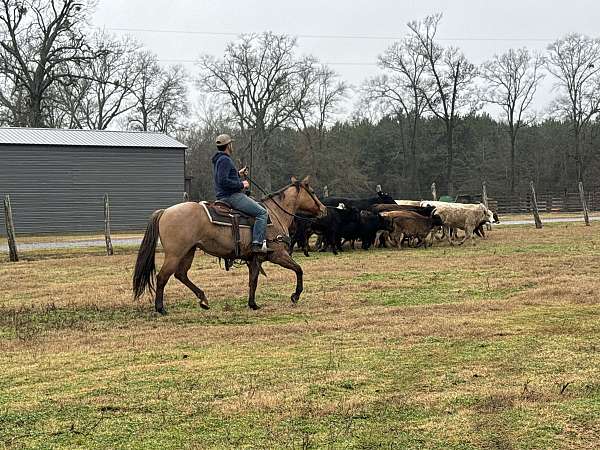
249, 206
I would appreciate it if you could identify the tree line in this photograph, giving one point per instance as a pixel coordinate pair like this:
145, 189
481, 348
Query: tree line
422, 119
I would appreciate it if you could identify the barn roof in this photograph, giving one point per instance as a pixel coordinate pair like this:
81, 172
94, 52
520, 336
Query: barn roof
86, 138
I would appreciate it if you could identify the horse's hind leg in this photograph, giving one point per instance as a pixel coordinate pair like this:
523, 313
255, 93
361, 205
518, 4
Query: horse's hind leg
168, 268
182, 275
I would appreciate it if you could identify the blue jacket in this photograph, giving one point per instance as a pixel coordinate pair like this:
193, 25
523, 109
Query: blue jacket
226, 176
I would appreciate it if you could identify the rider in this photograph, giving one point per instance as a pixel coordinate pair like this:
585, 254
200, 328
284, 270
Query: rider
229, 187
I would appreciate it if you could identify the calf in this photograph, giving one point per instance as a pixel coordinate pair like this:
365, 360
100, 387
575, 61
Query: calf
410, 225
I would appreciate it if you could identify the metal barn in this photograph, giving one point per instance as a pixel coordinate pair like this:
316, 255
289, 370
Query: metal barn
57, 178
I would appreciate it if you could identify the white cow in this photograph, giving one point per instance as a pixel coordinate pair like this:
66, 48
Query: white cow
462, 216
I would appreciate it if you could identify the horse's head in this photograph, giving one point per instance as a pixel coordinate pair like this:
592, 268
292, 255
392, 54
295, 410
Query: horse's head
308, 202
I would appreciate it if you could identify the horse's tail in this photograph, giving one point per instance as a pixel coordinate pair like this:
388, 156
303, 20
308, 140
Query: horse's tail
143, 276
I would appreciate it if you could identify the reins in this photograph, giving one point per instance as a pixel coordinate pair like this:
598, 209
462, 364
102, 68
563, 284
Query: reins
270, 196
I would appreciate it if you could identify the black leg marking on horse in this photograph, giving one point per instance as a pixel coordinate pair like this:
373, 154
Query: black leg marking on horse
253, 272
168, 268
284, 260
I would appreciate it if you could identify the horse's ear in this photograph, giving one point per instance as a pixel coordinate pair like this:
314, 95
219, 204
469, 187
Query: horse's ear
294, 180
306, 179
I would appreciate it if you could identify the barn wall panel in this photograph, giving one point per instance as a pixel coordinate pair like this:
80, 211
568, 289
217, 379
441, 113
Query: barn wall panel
60, 189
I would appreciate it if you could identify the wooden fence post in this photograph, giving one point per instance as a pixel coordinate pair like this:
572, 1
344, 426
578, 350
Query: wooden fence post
109, 247
586, 217
10, 230
433, 192
534, 207
325, 191
484, 199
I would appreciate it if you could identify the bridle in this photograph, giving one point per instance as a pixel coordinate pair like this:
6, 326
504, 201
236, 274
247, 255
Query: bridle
298, 185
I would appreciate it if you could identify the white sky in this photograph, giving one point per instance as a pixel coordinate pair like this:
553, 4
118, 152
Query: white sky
480, 28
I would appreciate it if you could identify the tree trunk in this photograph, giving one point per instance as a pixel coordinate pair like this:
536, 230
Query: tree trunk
578, 159
413, 155
449, 159
513, 148
35, 113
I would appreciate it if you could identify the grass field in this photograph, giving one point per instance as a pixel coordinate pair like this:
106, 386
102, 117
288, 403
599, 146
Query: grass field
492, 346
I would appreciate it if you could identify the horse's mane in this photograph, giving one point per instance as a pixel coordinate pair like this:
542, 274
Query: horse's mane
281, 192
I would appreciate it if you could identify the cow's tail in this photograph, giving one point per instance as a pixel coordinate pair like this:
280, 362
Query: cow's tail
143, 275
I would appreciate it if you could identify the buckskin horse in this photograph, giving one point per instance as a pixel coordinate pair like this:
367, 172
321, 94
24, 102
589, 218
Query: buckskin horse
186, 226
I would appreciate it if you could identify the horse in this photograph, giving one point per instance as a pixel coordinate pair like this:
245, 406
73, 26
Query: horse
184, 227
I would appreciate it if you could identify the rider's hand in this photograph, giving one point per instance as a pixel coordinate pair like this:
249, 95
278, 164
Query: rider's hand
243, 172
246, 184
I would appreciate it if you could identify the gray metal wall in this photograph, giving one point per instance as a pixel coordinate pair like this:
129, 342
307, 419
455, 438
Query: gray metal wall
60, 189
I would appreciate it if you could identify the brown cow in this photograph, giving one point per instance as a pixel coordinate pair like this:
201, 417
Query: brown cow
410, 225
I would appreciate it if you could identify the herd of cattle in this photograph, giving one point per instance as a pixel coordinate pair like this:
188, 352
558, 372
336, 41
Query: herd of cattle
385, 222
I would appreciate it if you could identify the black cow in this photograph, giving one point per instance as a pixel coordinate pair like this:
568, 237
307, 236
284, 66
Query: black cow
333, 227
300, 232
359, 203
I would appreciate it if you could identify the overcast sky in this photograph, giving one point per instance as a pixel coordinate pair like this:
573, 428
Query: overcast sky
348, 35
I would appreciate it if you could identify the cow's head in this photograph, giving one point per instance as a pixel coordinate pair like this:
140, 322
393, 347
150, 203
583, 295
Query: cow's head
436, 220
491, 216
384, 197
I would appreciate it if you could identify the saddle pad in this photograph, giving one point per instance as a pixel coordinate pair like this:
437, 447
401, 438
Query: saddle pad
221, 215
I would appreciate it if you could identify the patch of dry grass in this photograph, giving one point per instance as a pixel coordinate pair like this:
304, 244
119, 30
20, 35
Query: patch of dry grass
491, 346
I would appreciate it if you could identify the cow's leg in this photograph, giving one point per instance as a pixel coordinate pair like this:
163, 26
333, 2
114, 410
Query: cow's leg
182, 275
468, 235
447, 231
399, 240
305, 246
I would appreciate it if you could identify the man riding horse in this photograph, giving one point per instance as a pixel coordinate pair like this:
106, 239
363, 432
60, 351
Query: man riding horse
187, 226
229, 188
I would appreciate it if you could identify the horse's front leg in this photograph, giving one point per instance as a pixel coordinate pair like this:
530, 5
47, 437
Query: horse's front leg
285, 260
253, 272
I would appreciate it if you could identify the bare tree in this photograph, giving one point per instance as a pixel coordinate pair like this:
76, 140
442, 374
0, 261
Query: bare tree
400, 91
107, 81
258, 77
40, 40
511, 81
160, 95
448, 84
575, 61
319, 94
172, 104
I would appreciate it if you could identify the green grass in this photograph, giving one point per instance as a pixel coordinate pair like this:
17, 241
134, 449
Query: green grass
493, 346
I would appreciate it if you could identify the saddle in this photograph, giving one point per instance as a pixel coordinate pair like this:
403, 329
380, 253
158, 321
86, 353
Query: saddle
221, 213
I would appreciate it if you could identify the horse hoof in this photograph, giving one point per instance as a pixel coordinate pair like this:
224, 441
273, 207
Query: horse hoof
253, 306
295, 297
204, 304
161, 311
